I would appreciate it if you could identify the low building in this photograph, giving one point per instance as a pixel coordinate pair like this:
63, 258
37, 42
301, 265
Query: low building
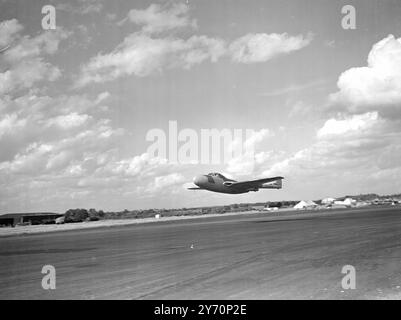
13, 219
258, 208
327, 201
271, 209
348, 202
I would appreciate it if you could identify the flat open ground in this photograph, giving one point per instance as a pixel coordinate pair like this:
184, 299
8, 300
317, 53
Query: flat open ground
227, 257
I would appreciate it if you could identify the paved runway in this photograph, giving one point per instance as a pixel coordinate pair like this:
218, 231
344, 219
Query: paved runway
237, 257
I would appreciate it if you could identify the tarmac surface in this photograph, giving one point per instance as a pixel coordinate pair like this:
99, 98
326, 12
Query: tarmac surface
234, 257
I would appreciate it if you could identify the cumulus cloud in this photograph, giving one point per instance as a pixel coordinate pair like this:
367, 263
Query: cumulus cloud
359, 146
33, 159
68, 121
156, 47
353, 124
24, 62
169, 181
142, 165
10, 123
376, 86
347, 153
23, 75
46, 43
247, 162
261, 47
257, 137
8, 30
156, 19
142, 55
340, 140
45, 117
102, 96
30, 160
51, 143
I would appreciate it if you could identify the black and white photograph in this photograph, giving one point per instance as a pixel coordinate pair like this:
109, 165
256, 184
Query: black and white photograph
200, 150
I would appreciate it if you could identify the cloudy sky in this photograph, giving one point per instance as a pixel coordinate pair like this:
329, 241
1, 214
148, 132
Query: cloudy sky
77, 102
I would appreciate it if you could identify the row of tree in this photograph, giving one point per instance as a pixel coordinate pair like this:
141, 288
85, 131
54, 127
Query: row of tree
79, 215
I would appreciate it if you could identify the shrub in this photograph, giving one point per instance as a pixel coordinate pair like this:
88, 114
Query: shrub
76, 215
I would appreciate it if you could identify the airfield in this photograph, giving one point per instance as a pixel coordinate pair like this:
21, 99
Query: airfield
249, 256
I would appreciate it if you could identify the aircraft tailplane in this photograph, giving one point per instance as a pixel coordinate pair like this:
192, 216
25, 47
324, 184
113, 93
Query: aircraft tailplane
276, 184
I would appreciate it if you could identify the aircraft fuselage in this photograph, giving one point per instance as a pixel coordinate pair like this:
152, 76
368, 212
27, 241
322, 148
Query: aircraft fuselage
216, 182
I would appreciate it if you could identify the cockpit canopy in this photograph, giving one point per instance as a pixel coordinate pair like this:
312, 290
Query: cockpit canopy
216, 174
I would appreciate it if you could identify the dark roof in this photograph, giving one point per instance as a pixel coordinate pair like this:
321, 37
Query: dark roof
29, 214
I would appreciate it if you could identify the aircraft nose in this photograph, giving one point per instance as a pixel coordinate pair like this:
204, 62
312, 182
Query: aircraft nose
199, 180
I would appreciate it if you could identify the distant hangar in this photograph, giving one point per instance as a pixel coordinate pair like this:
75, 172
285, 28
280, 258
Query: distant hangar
13, 219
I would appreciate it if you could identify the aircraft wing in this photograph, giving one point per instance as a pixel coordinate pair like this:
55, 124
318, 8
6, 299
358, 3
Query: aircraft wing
194, 188
252, 183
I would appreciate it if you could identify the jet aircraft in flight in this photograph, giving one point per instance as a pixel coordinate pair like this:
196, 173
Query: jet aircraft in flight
216, 182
